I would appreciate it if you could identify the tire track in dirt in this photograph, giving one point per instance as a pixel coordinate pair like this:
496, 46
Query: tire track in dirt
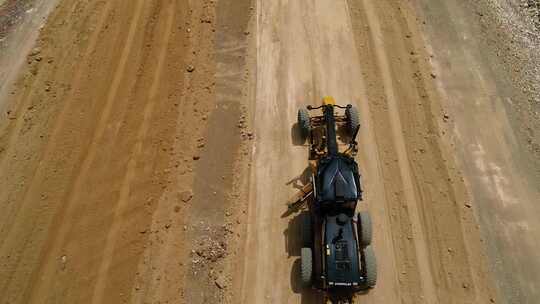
163, 256
164, 269
120, 206
478, 89
91, 210
19, 229
419, 238
24, 102
451, 237
69, 208
259, 217
304, 52
298, 44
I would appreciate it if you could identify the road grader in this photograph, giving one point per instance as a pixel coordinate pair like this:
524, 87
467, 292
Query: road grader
336, 253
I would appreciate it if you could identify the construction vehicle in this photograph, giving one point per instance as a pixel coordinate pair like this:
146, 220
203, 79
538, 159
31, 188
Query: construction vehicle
336, 254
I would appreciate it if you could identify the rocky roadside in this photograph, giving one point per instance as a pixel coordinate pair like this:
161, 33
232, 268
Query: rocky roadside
511, 31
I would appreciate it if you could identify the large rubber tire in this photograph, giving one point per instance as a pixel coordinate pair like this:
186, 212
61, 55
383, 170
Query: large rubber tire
304, 123
353, 120
307, 230
369, 264
365, 229
307, 266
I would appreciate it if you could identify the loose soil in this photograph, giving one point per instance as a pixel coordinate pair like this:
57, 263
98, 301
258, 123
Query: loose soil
105, 131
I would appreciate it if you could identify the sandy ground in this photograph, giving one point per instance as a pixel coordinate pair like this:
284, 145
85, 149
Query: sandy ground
147, 151
101, 144
494, 125
20, 22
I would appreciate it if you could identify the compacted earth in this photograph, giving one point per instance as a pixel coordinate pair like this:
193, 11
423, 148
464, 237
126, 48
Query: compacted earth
147, 147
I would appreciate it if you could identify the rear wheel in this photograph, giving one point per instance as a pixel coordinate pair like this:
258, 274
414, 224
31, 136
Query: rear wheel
307, 266
307, 231
369, 265
365, 230
303, 122
353, 120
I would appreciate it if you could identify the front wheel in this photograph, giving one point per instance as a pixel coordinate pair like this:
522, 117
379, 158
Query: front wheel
307, 266
304, 123
353, 120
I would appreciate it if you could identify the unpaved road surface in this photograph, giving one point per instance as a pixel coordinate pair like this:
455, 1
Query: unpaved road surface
424, 236
495, 125
148, 150
100, 144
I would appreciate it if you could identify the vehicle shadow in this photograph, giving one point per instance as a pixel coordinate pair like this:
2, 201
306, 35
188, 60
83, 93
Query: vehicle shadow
293, 234
301, 180
293, 240
308, 295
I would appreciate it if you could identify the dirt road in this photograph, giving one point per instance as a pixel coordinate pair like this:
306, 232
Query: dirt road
99, 144
477, 63
370, 55
148, 149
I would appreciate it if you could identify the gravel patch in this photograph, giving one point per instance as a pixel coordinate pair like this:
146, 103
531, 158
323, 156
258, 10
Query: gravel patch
512, 33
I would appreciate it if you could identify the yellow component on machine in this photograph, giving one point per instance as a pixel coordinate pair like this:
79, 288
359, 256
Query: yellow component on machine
328, 100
